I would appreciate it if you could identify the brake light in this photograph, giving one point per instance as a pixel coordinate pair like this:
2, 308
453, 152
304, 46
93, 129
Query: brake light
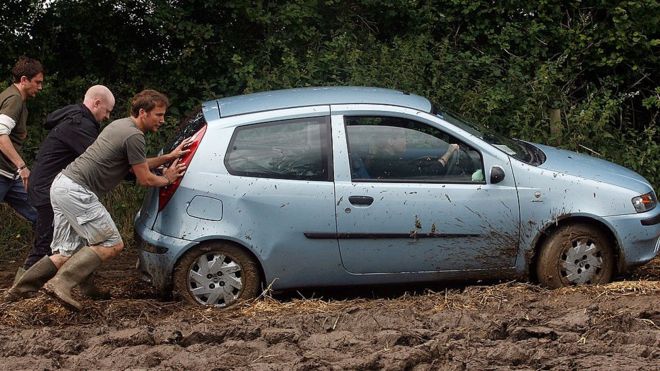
166, 193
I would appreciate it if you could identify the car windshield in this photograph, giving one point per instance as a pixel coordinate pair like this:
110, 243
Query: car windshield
518, 149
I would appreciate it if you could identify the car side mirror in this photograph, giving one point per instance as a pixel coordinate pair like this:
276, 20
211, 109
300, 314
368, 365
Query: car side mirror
496, 174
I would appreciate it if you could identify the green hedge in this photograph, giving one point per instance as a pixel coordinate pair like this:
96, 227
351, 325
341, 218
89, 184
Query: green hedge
502, 64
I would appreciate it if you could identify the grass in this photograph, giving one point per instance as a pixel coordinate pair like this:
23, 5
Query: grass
15, 236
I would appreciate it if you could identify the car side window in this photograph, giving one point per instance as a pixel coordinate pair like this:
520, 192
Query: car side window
291, 149
393, 149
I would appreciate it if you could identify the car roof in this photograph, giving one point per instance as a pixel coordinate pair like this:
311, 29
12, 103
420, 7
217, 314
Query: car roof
313, 96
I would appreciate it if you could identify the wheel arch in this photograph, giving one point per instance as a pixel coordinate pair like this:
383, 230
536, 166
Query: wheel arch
554, 225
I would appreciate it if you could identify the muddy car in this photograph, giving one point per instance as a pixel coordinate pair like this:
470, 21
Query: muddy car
344, 186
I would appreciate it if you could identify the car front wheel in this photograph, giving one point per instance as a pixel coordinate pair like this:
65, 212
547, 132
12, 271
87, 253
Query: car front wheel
216, 274
576, 255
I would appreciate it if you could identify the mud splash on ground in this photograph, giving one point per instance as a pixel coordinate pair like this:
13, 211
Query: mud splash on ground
510, 325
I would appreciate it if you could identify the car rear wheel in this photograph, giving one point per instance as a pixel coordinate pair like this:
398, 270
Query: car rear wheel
216, 274
576, 255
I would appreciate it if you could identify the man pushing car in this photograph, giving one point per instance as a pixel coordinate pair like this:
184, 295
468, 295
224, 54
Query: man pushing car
84, 234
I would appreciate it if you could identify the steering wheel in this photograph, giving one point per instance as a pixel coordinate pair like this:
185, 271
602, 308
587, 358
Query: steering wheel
427, 166
424, 161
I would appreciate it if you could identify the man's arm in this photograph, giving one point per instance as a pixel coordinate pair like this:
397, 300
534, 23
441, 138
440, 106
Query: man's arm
154, 162
7, 148
146, 178
11, 111
444, 159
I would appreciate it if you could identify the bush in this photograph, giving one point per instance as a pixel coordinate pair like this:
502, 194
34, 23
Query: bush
503, 64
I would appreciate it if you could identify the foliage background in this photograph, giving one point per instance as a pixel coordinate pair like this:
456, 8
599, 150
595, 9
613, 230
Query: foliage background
503, 64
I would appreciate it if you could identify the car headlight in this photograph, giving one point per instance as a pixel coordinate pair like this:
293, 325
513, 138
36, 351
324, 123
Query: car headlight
645, 202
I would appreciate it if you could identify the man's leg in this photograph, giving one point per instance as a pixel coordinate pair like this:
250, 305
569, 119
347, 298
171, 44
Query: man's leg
16, 197
92, 222
46, 267
88, 286
76, 270
106, 253
31, 280
5, 186
43, 235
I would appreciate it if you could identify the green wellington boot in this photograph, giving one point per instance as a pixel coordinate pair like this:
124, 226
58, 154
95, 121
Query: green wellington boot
19, 273
76, 270
31, 281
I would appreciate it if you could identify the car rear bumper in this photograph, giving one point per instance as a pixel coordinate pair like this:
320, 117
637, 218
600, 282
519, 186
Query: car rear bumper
639, 241
157, 255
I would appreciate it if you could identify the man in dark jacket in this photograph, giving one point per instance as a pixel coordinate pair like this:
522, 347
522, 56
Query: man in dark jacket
72, 129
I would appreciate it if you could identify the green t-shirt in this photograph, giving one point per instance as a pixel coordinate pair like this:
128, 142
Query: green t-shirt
107, 161
13, 105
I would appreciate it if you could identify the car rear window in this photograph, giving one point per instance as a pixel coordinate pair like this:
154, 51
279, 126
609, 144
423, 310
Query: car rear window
291, 149
188, 129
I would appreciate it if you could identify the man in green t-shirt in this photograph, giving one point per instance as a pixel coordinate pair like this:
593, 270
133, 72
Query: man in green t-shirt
28, 78
84, 233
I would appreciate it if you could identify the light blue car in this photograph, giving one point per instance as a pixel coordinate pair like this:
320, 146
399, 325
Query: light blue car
342, 186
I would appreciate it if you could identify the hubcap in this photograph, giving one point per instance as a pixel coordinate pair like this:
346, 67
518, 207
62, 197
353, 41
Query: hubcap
215, 279
582, 262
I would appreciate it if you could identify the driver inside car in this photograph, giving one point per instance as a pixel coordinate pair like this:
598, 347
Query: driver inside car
391, 160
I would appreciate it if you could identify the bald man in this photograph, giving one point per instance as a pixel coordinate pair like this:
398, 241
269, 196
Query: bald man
72, 129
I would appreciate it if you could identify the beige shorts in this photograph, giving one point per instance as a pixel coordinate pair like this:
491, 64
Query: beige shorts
79, 218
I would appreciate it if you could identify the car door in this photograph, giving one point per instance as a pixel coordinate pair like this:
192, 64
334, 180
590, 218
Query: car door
405, 212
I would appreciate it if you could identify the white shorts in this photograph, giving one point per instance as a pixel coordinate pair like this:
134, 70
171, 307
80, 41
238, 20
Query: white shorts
79, 218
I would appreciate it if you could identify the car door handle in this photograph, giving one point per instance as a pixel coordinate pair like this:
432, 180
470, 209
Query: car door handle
361, 200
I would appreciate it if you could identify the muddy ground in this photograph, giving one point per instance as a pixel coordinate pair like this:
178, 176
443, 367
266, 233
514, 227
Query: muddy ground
478, 326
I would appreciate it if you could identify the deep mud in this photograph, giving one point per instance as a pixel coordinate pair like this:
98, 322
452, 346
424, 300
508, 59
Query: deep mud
510, 325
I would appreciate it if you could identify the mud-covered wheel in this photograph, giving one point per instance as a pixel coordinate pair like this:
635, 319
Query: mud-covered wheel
576, 254
216, 274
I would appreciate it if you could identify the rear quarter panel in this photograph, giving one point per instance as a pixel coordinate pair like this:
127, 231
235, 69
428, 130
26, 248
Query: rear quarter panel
269, 217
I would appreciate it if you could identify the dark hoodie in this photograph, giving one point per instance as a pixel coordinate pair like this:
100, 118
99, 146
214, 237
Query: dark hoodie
72, 129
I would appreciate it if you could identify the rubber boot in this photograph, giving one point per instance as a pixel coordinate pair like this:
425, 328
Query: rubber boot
76, 270
32, 280
19, 273
88, 288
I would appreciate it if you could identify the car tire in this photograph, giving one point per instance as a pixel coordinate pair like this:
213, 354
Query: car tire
575, 255
216, 274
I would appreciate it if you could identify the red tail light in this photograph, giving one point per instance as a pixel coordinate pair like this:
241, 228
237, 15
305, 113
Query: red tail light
166, 193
